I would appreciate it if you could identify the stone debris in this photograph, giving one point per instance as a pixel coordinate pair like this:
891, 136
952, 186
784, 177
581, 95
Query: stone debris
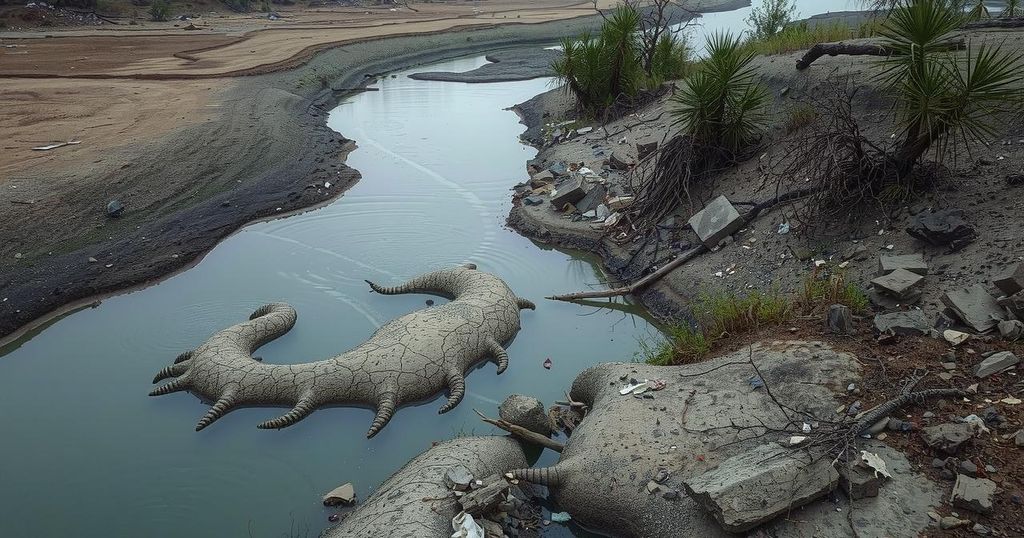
840, 320
955, 337
941, 228
1013, 303
911, 262
858, 482
900, 283
593, 198
950, 522
756, 486
645, 150
975, 307
533, 200
619, 161
995, 363
541, 178
1011, 329
947, 437
904, 323
1011, 281
619, 203
343, 494
569, 191
973, 494
458, 478
527, 412
1019, 438
484, 499
718, 220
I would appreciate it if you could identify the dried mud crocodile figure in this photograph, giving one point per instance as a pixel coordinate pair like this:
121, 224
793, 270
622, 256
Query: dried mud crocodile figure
409, 359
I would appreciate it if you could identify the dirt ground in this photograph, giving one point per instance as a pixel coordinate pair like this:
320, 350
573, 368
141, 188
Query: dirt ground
761, 258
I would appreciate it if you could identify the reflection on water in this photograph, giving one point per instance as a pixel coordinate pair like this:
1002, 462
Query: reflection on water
87, 453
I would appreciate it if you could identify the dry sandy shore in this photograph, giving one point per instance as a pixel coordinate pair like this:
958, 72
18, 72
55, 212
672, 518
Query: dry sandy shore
197, 132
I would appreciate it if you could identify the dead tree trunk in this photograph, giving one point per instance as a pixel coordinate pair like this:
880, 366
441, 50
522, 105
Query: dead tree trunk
860, 49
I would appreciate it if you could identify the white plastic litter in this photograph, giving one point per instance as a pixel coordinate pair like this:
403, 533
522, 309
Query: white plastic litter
466, 527
630, 388
876, 463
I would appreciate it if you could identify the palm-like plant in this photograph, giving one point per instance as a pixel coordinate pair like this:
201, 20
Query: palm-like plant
722, 104
1012, 9
943, 100
979, 11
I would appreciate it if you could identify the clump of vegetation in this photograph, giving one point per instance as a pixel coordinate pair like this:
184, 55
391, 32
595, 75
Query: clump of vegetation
159, 10
945, 101
801, 35
771, 18
823, 288
800, 116
716, 317
611, 68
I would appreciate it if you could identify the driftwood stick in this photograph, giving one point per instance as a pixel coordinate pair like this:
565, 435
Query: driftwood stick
870, 48
1016, 22
522, 433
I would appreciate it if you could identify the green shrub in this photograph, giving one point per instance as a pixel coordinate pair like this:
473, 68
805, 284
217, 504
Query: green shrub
800, 116
722, 105
159, 10
771, 18
823, 288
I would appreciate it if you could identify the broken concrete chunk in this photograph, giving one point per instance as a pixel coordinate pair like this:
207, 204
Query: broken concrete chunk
486, 498
619, 161
946, 227
1011, 330
973, 494
458, 478
911, 262
840, 320
1011, 281
568, 191
995, 363
858, 482
1013, 303
906, 323
343, 494
899, 283
756, 486
527, 412
593, 199
618, 203
645, 150
975, 307
947, 437
716, 222
542, 178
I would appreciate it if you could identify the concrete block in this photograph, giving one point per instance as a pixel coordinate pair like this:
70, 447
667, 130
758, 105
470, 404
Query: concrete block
899, 283
973, 494
569, 191
716, 222
911, 262
1011, 281
905, 323
995, 363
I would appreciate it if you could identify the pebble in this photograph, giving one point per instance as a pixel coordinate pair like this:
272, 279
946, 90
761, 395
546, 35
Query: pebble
928, 414
950, 522
981, 529
969, 468
17, 256
93, 260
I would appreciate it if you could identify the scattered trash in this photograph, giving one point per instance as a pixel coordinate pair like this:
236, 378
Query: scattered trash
547, 363
631, 387
784, 228
115, 209
466, 527
977, 423
560, 517
756, 382
48, 147
659, 384
806, 428
876, 463
333, 518
327, 184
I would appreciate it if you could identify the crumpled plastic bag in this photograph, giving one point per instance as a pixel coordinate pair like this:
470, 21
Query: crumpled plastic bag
466, 527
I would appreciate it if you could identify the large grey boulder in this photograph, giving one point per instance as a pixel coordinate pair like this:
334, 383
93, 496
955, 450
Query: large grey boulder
840, 320
900, 283
756, 486
905, 323
945, 227
397, 509
626, 442
527, 412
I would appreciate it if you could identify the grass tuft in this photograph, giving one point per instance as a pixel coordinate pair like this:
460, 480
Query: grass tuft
802, 36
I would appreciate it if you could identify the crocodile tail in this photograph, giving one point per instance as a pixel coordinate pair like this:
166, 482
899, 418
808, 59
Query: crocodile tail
543, 476
446, 283
385, 410
271, 321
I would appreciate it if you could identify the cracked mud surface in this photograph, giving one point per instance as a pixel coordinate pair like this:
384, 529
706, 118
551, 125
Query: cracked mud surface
407, 360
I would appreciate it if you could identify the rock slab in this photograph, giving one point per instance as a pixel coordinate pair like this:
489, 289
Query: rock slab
899, 283
995, 363
947, 437
568, 191
946, 227
840, 320
716, 222
906, 323
1011, 281
975, 307
756, 486
973, 494
911, 262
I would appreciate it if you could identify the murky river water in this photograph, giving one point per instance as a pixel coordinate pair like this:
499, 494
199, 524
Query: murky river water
85, 452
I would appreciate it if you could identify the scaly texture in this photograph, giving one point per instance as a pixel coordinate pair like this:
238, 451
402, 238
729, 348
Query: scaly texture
409, 359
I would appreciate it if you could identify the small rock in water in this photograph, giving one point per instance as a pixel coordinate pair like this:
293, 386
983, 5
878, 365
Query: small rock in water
430, 302
547, 363
343, 494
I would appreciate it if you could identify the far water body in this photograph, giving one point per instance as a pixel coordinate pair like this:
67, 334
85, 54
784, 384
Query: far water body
84, 450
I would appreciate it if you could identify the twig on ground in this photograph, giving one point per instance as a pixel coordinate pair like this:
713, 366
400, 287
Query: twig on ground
522, 433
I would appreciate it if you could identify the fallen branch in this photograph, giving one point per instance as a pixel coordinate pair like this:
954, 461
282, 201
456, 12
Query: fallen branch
869, 418
646, 281
861, 49
1017, 22
522, 433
